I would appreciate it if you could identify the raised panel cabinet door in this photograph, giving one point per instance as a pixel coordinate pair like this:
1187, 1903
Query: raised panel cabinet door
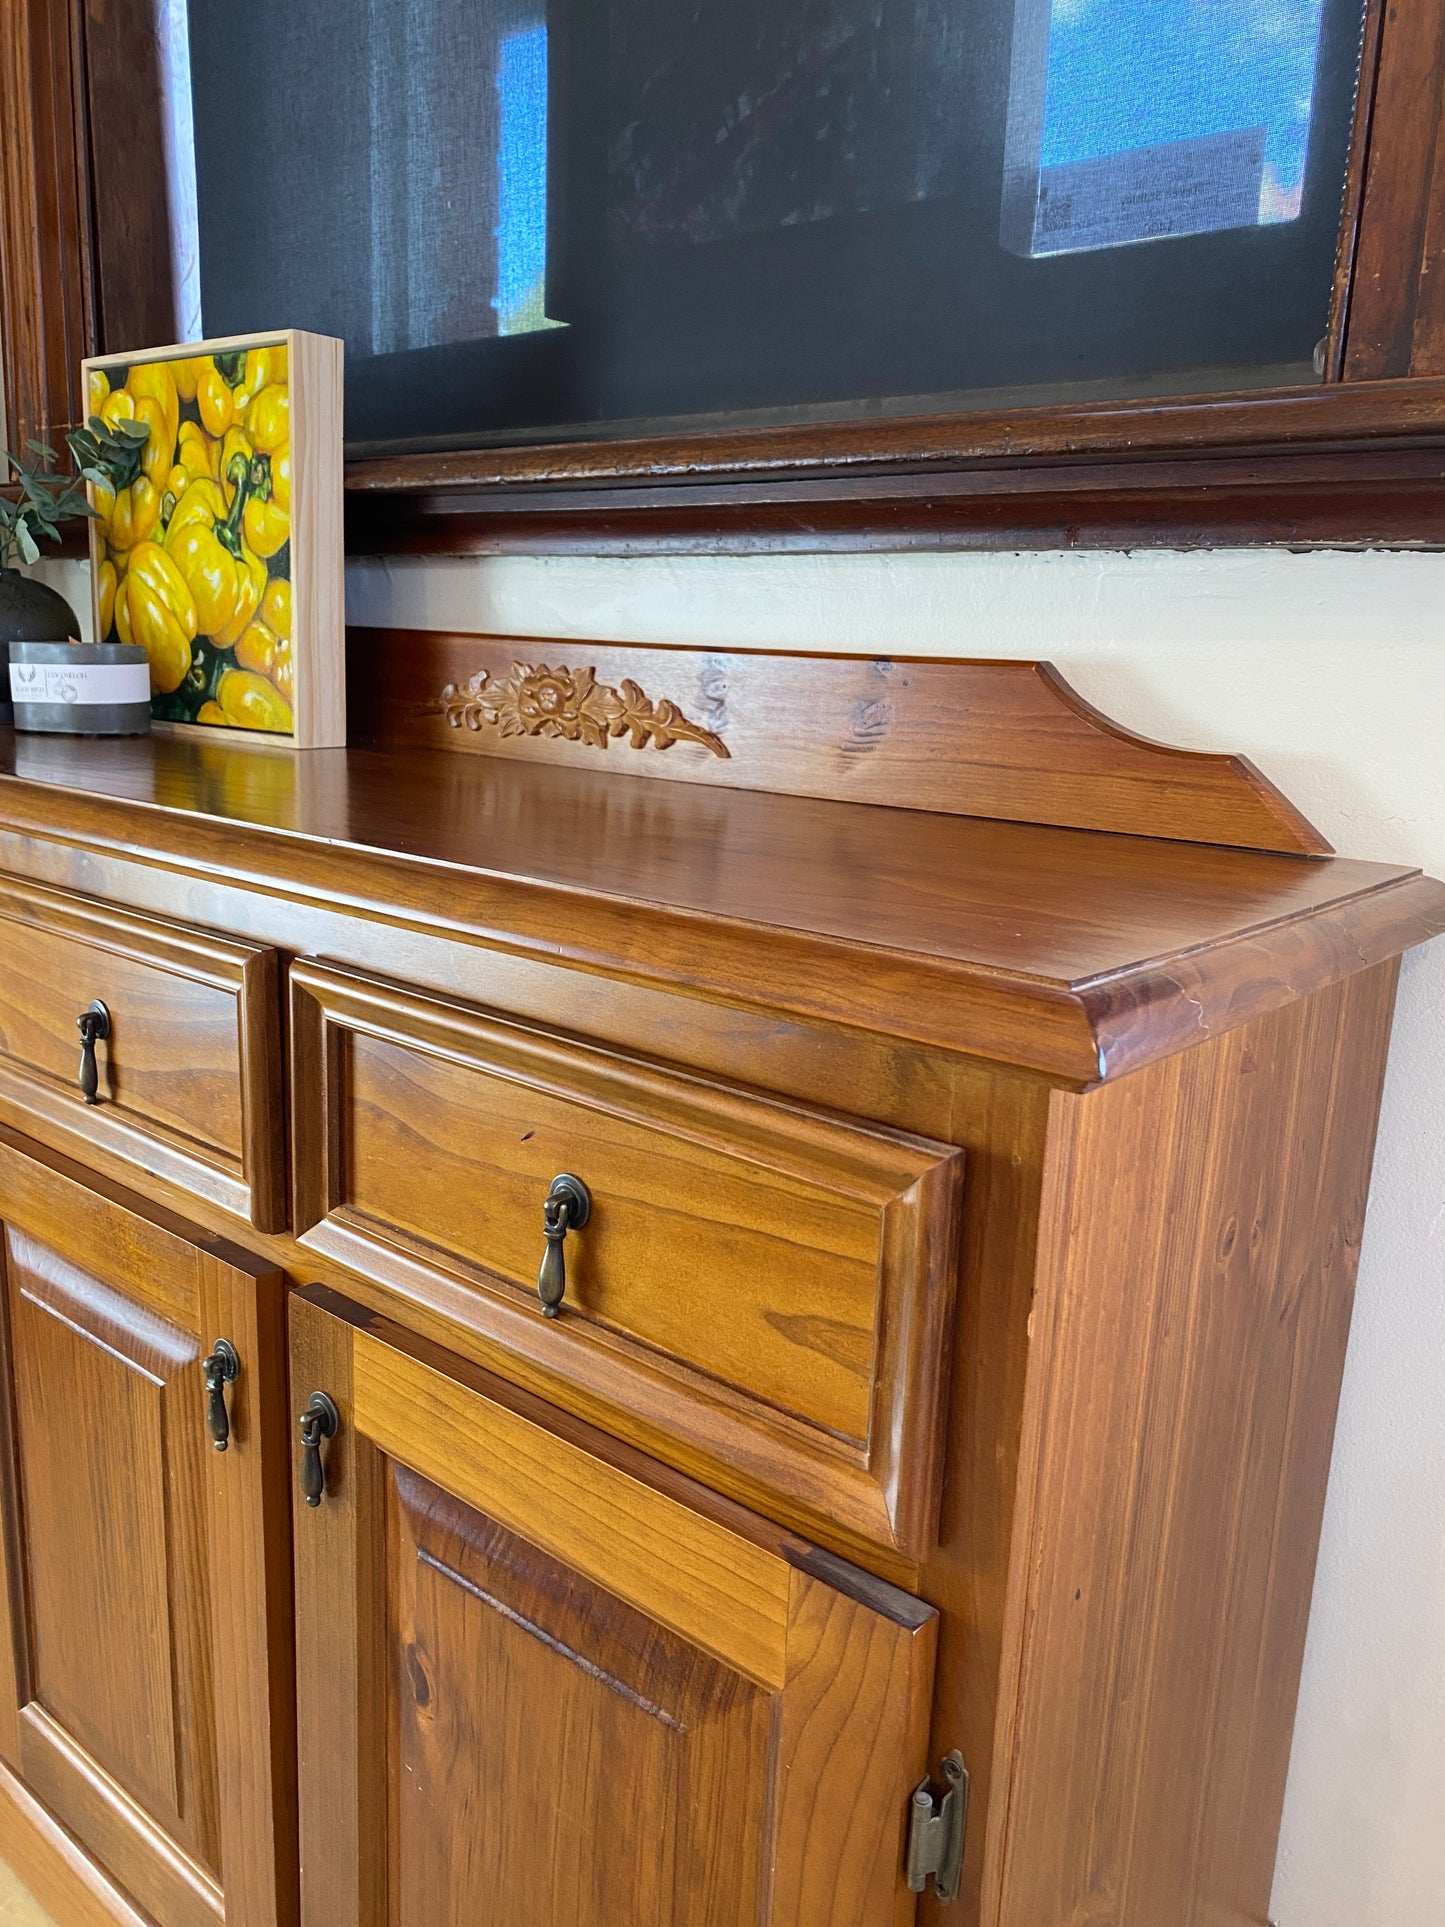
146, 1683
543, 1679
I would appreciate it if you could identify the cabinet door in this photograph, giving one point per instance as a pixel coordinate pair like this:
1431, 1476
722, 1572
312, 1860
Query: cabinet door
146, 1690
542, 1679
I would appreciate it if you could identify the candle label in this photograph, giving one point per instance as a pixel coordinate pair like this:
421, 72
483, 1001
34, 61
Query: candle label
80, 683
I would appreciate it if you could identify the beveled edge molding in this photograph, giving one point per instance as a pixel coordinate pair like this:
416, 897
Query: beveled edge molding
1075, 1034
536, 700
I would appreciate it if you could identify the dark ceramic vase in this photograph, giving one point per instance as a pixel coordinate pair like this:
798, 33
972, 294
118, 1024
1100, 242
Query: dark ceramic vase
29, 612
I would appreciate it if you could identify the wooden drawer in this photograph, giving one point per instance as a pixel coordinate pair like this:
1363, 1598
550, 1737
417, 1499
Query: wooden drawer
762, 1292
190, 1075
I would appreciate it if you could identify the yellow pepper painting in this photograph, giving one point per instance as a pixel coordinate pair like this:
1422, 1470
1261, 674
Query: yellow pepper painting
189, 464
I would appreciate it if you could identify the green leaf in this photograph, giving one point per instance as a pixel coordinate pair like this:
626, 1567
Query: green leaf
27, 542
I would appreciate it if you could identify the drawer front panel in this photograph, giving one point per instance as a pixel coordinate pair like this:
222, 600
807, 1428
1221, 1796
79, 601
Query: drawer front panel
767, 1282
188, 1079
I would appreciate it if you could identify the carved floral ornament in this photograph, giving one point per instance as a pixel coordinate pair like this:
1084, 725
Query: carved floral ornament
535, 700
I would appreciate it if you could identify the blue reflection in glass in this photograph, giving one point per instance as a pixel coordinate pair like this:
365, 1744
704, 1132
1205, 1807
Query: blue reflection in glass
1136, 73
1133, 120
520, 300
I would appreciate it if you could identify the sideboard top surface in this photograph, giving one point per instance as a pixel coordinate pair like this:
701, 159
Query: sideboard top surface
1076, 953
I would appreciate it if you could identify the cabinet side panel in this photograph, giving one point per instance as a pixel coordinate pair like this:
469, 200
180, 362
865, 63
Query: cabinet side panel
1197, 1256
1004, 1122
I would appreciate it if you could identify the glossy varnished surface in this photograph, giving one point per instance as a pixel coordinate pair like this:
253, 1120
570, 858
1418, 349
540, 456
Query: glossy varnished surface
790, 998
1071, 951
981, 738
595, 1695
145, 1690
771, 1284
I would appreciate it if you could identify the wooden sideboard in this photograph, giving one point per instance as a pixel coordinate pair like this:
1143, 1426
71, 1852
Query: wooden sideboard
783, 1231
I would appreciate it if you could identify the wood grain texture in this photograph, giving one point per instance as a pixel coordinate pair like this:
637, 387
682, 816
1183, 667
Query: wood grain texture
191, 1072
140, 266
1006, 1125
318, 643
62, 1877
116, 1829
1262, 421
853, 1731
47, 299
505, 1657
980, 738
475, 895
1396, 309
142, 1689
342, 1656
1304, 495
926, 1093
1352, 203
249, 1541
98, 1384
1201, 1230
776, 1799
783, 1274
1010, 941
715, 1589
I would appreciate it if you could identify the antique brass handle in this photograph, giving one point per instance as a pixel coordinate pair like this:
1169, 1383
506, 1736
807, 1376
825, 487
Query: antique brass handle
319, 1421
222, 1368
93, 1023
568, 1206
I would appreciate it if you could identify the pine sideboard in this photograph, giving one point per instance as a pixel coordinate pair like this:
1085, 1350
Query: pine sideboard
682, 1290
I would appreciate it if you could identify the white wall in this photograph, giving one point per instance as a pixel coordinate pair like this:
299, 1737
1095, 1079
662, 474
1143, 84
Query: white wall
1329, 670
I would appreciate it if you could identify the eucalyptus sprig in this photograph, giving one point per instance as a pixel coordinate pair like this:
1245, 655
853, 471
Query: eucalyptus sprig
109, 453
44, 502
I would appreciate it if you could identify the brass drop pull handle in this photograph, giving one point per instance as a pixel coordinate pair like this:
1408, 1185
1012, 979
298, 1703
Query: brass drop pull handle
319, 1421
222, 1368
568, 1206
93, 1023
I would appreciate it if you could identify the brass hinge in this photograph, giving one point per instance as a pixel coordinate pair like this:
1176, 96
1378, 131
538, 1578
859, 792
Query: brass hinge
935, 1831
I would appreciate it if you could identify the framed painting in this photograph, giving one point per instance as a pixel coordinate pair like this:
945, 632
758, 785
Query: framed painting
215, 468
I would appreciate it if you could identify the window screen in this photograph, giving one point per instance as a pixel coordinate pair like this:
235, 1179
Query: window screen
542, 218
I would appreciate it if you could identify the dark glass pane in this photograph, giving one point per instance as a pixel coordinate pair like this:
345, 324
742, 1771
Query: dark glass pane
558, 217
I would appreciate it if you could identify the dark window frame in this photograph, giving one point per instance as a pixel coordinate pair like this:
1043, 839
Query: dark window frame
1358, 459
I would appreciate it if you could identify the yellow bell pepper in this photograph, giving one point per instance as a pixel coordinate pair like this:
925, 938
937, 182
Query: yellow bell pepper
248, 701
196, 456
188, 375
218, 379
153, 388
268, 419
276, 607
129, 505
226, 579
97, 390
127, 515
266, 519
268, 655
263, 366
105, 587
155, 607
227, 383
212, 712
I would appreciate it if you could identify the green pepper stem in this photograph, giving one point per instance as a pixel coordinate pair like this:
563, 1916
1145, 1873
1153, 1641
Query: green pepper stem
228, 533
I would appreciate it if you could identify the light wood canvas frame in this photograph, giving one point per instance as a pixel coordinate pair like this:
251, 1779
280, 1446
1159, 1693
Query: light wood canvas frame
317, 554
